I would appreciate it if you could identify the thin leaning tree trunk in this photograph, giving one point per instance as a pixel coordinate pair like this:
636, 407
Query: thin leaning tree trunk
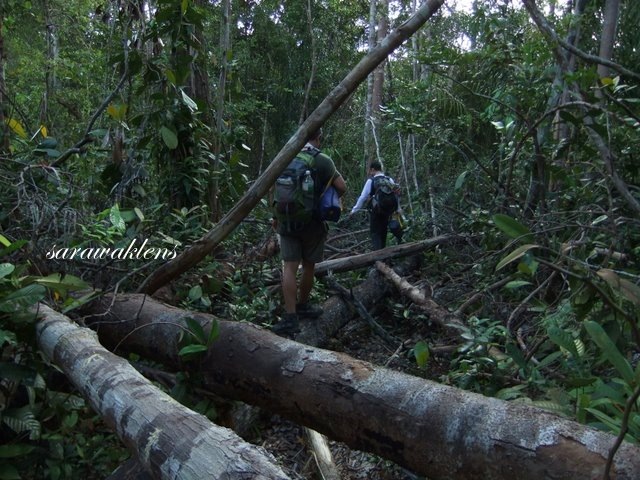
432, 429
169, 440
193, 255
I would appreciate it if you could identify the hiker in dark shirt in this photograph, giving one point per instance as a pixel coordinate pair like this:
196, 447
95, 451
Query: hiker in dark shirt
305, 247
379, 216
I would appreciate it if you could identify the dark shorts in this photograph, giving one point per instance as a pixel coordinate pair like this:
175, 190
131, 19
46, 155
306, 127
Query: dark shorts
308, 244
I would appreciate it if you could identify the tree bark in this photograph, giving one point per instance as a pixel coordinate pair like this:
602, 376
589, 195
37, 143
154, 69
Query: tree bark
193, 255
365, 259
169, 440
314, 66
608, 38
377, 86
432, 429
4, 127
225, 46
437, 313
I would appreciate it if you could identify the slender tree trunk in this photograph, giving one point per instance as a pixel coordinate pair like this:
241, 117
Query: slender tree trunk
225, 46
365, 259
169, 440
377, 88
435, 430
4, 127
50, 71
608, 37
194, 254
368, 115
314, 66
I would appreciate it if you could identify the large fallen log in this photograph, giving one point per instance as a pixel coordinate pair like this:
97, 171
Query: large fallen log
432, 429
169, 440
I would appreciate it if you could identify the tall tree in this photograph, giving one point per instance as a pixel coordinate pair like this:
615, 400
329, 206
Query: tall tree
304, 111
608, 37
4, 126
225, 52
51, 81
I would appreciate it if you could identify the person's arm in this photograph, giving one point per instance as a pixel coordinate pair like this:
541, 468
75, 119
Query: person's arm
364, 196
339, 184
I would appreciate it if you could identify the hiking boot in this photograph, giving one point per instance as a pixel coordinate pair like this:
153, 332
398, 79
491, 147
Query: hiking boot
287, 326
308, 310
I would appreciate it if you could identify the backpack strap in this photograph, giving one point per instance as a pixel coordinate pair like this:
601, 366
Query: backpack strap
311, 150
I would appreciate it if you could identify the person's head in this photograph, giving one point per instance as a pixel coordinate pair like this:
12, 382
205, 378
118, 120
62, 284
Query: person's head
316, 137
375, 167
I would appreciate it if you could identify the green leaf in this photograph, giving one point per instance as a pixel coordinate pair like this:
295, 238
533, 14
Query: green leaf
139, 213
49, 152
6, 269
516, 254
550, 406
22, 298
191, 350
512, 228
116, 218
49, 142
171, 76
627, 289
77, 302
529, 264
613, 424
516, 284
460, 180
12, 247
15, 450
169, 138
610, 351
562, 339
196, 330
4, 241
65, 282
421, 353
214, 332
195, 293
188, 101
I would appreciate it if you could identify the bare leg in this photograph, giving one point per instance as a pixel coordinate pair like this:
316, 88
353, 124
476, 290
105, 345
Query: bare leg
289, 286
306, 280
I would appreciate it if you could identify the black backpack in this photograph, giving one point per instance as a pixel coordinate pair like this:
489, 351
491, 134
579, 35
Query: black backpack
296, 192
384, 199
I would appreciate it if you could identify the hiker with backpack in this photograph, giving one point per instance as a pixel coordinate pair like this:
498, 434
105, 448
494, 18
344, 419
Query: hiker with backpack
380, 195
301, 225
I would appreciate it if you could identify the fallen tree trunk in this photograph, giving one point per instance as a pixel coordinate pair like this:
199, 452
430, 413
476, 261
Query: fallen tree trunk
337, 312
437, 313
169, 440
365, 259
432, 429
